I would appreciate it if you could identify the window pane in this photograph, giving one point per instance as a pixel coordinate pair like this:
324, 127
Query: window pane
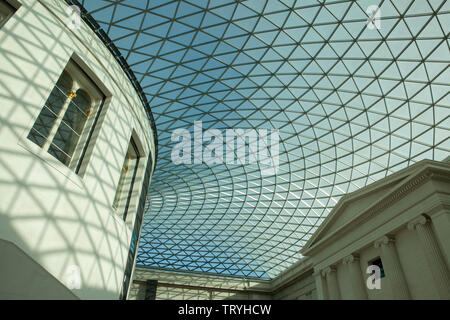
58, 154
56, 100
77, 112
49, 113
65, 82
119, 192
66, 140
36, 137
59, 94
126, 180
43, 125
82, 101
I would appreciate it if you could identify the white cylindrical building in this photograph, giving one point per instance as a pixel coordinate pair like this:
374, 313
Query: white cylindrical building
77, 154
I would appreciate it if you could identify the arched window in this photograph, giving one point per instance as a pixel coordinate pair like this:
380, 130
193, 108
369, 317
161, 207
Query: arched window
61, 128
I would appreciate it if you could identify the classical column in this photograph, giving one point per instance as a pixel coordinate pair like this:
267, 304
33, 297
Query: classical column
433, 254
332, 283
441, 226
392, 268
322, 292
355, 277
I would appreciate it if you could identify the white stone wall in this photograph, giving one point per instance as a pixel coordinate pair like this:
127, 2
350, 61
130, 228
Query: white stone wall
57, 217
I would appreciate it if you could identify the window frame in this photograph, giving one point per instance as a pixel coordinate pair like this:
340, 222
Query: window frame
137, 225
77, 71
381, 266
123, 188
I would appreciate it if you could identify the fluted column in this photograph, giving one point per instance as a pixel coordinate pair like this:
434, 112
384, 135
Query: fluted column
392, 268
441, 226
330, 275
355, 276
322, 291
433, 254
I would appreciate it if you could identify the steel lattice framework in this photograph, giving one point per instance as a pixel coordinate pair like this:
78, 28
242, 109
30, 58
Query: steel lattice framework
353, 103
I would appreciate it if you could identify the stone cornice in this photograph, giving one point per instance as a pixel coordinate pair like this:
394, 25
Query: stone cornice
400, 193
348, 198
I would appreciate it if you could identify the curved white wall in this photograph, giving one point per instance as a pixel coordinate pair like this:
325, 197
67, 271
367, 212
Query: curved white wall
53, 215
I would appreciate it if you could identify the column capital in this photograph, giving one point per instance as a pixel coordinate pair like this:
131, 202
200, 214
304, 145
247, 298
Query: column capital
384, 241
317, 273
328, 270
420, 220
350, 259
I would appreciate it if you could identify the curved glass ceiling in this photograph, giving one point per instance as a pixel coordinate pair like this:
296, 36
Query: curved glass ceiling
353, 101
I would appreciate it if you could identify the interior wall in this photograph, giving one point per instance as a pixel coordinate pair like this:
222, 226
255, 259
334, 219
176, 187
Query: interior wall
53, 215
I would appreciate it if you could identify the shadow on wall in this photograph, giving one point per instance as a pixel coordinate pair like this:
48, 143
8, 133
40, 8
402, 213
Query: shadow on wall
57, 218
19, 271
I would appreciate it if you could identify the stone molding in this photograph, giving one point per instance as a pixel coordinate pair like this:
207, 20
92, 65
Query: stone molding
329, 270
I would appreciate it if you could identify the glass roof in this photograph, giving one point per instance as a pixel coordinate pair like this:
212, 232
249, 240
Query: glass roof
353, 99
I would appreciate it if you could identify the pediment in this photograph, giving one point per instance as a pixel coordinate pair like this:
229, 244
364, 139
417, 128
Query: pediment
354, 204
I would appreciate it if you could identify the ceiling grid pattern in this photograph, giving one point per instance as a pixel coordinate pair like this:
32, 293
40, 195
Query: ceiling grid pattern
352, 105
